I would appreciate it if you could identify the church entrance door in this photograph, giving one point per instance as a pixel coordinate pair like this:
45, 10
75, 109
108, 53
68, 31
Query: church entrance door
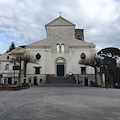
60, 70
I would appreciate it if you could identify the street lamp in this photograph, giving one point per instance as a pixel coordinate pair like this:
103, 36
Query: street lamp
19, 78
14, 62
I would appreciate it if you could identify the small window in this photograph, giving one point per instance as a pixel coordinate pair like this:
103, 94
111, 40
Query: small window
58, 48
62, 48
83, 70
83, 56
7, 57
7, 67
16, 67
37, 70
38, 56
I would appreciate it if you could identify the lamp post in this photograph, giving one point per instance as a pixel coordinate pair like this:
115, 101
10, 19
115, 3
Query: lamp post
14, 62
19, 77
96, 72
101, 73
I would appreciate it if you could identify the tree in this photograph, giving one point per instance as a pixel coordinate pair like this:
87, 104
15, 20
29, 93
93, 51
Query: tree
93, 62
110, 52
109, 57
118, 73
28, 59
11, 47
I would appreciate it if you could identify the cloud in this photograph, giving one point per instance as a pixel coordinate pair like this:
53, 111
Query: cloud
102, 22
23, 21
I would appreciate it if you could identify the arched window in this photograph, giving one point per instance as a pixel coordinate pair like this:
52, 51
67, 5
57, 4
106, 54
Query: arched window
62, 48
6, 66
58, 48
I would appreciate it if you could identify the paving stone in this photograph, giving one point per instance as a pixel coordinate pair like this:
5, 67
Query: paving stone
60, 103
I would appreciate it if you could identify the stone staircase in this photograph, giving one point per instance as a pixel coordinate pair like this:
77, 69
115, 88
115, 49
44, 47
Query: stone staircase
60, 82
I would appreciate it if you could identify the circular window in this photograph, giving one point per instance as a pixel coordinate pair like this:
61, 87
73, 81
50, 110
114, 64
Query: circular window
38, 56
83, 56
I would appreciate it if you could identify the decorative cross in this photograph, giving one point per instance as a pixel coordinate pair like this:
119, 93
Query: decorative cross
60, 13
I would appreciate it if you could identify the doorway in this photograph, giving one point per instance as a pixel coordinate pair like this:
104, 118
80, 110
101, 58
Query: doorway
86, 81
10, 80
35, 80
60, 70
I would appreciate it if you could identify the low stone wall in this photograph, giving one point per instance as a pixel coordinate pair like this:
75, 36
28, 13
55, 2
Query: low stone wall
81, 78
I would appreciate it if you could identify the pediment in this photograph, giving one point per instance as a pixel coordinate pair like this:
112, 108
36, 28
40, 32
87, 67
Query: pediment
60, 21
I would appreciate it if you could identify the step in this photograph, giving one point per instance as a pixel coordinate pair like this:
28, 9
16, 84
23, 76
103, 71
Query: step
61, 85
60, 80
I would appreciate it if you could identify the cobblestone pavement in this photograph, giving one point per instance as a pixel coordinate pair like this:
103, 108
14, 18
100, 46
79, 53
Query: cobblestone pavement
60, 103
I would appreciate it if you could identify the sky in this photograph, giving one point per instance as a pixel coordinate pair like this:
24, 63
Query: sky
23, 21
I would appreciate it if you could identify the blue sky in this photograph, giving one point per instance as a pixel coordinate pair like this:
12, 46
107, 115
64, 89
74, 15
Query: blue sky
23, 21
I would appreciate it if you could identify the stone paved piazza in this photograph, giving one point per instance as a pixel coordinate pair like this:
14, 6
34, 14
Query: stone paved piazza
60, 103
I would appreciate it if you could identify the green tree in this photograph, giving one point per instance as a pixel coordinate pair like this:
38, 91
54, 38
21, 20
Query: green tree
110, 52
93, 62
109, 57
11, 47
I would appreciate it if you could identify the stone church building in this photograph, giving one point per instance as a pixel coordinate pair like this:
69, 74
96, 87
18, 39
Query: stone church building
59, 55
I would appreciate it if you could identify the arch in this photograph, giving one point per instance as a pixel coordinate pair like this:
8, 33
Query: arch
58, 48
60, 68
62, 48
60, 59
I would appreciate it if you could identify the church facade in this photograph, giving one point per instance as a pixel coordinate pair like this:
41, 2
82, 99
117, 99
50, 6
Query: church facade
59, 54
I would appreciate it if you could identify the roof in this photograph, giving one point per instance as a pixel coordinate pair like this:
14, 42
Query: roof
60, 21
47, 44
16, 51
